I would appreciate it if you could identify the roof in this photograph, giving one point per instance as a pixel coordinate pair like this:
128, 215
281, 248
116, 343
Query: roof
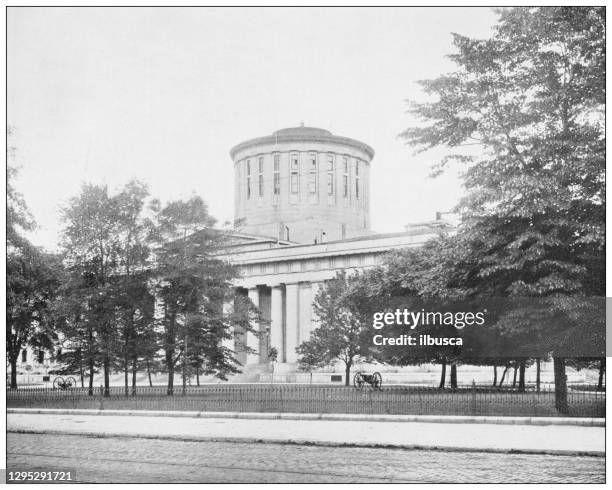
302, 134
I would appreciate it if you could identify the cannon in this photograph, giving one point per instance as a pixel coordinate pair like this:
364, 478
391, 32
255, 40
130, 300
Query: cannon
60, 383
374, 380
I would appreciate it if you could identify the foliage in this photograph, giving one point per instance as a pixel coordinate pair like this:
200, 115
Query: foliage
32, 278
345, 320
532, 99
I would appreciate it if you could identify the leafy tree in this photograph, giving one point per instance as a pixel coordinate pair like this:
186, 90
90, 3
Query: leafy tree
32, 278
430, 278
345, 326
92, 245
192, 283
135, 300
531, 99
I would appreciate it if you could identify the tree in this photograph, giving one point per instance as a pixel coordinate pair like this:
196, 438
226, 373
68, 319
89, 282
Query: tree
134, 297
532, 99
192, 283
430, 278
345, 321
92, 246
32, 278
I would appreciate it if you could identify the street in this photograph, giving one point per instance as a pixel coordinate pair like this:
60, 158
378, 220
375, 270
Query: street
131, 460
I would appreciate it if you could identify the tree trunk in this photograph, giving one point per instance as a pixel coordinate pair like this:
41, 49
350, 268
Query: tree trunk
442, 376
538, 369
90, 391
198, 376
602, 370
560, 385
453, 376
347, 374
494, 375
149, 373
514, 378
13, 372
501, 381
126, 376
106, 375
82, 373
521, 386
170, 364
134, 371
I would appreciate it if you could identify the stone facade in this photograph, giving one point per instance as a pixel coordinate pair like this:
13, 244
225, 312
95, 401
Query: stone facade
302, 206
302, 184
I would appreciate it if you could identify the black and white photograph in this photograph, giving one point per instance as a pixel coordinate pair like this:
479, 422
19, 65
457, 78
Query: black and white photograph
305, 244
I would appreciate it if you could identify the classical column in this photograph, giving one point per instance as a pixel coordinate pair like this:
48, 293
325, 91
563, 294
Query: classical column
293, 321
314, 319
228, 343
305, 307
252, 340
276, 322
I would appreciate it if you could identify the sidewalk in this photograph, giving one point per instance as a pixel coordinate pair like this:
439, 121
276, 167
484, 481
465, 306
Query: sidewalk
489, 437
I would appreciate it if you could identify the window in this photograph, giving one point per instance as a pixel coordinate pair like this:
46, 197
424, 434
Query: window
345, 177
295, 187
357, 180
312, 174
276, 175
260, 163
248, 180
330, 175
24, 355
41, 356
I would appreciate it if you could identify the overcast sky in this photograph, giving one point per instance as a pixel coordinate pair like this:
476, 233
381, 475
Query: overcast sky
104, 95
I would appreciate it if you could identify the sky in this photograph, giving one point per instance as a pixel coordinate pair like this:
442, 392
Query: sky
106, 95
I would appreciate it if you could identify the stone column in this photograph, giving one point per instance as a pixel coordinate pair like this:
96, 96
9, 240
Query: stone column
252, 340
293, 321
228, 343
276, 322
314, 319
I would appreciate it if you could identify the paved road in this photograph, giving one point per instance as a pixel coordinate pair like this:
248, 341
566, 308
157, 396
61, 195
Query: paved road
164, 461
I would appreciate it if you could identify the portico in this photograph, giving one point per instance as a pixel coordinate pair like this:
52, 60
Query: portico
282, 281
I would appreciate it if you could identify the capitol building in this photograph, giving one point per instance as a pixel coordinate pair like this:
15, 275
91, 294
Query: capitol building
302, 214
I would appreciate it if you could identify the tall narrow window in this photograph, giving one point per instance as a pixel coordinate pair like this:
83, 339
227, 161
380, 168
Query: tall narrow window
312, 174
277, 175
24, 355
345, 177
248, 179
41, 356
295, 168
261, 177
330, 175
357, 179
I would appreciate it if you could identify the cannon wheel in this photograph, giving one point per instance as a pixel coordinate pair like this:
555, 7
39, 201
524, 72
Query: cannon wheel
377, 381
70, 382
358, 381
58, 383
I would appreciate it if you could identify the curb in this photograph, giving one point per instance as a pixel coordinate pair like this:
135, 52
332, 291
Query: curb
433, 419
308, 442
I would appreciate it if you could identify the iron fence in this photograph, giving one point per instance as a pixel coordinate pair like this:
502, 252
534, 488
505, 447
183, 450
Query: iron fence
583, 401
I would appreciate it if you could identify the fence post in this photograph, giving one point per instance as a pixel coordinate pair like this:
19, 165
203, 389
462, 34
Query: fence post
473, 407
